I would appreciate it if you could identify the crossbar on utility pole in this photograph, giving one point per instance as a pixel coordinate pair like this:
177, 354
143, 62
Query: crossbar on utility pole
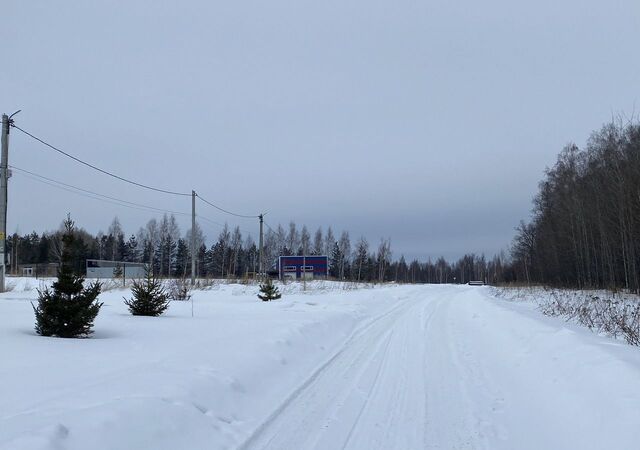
4, 174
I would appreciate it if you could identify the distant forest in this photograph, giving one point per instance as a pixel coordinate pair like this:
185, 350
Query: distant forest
585, 226
161, 244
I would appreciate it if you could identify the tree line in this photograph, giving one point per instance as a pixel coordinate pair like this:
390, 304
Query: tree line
585, 226
161, 244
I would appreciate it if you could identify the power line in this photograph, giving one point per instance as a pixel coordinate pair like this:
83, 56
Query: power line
106, 198
135, 183
226, 211
220, 224
84, 195
92, 194
210, 221
271, 229
97, 168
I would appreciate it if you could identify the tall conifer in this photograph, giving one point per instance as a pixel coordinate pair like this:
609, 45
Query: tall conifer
68, 309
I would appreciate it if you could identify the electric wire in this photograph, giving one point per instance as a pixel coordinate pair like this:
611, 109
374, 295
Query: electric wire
218, 224
111, 200
107, 198
267, 225
84, 195
91, 194
226, 211
221, 225
135, 183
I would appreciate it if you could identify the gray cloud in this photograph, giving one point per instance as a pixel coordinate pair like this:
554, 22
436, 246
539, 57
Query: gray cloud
426, 122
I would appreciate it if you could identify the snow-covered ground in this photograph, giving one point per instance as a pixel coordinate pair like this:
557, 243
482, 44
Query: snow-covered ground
394, 367
613, 314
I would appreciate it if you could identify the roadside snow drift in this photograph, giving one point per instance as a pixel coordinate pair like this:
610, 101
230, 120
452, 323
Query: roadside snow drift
395, 367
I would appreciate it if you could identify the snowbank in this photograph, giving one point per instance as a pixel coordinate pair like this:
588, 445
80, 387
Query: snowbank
403, 367
614, 314
170, 382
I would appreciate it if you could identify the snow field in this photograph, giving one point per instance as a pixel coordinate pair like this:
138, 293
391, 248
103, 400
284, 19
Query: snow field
540, 382
394, 367
611, 314
167, 382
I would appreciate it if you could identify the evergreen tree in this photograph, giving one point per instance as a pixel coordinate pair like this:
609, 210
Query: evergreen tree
179, 290
117, 271
250, 256
149, 296
44, 249
121, 248
318, 243
131, 250
360, 260
183, 258
268, 291
216, 259
335, 261
109, 247
201, 267
116, 243
68, 309
345, 250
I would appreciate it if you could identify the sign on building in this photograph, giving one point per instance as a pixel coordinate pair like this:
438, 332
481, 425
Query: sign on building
297, 267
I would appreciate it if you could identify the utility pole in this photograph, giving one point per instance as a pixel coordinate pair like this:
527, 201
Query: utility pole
193, 238
304, 268
4, 173
260, 261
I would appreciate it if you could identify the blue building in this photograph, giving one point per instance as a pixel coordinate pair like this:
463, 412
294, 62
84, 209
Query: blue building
295, 267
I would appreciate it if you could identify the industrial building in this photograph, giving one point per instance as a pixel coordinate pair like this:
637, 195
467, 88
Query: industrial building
299, 267
101, 269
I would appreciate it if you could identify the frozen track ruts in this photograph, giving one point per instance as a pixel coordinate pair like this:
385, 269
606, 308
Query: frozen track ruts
371, 394
451, 368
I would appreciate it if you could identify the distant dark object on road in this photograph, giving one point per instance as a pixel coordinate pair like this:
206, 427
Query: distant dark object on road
476, 283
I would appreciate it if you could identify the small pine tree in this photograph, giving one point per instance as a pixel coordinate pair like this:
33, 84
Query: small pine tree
117, 271
69, 309
180, 290
268, 291
149, 296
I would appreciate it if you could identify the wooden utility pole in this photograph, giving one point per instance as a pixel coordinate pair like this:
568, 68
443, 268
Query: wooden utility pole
4, 173
260, 257
193, 238
304, 268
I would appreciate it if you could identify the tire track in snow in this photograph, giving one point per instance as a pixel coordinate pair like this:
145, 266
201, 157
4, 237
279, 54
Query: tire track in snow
450, 419
361, 396
313, 406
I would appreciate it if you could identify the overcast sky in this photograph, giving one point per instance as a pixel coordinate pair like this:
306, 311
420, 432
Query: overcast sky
429, 122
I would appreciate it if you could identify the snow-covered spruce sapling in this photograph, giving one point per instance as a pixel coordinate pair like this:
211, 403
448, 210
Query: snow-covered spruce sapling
180, 290
117, 271
149, 296
268, 291
68, 309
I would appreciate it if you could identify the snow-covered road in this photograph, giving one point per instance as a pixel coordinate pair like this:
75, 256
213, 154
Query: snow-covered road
404, 367
448, 369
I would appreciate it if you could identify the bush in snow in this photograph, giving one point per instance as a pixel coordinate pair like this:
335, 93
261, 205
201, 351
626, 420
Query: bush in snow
68, 309
268, 291
609, 313
180, 290
117, 271
149, 296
